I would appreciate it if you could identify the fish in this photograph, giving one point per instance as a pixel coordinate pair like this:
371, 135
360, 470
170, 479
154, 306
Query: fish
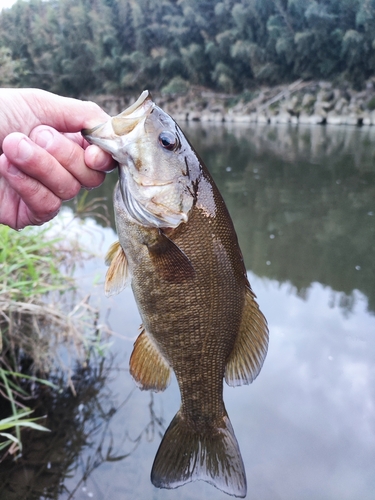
179, 250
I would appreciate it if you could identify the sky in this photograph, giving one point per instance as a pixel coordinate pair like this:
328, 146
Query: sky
6, 3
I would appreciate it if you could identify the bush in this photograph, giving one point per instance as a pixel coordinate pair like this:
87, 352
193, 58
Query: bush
371, 104
176, 86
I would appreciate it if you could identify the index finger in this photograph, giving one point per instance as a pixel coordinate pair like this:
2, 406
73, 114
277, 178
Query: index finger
64, 113
95, 157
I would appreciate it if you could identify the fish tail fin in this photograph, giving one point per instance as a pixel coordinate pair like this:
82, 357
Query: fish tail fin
186, 455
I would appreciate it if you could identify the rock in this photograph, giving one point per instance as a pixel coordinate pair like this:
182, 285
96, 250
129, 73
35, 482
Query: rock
307, 100
241, 118
334, 119
353, 107
351, 119
292, 106
273, 119
336, 94
262, 118
325, 85
312, 103
205, 117
211, 117
180, 117
366, 119
325, 95
283, 117
304, 119
237, 107
316, 119
216, 108
320, 109
341, 103
218, 117
327, 106
229, 117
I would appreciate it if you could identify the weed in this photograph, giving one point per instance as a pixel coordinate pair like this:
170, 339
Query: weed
39, 312
371, 104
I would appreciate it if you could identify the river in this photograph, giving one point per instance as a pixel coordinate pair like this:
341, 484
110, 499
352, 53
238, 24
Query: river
303, 203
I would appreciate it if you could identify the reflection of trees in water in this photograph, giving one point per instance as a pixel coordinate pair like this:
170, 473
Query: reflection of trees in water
287, 142
301, 199
80, 440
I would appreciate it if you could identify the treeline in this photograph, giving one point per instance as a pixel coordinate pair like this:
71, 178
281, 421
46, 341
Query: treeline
76, 47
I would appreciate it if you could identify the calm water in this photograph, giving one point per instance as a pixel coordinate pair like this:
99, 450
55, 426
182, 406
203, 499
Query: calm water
303, 203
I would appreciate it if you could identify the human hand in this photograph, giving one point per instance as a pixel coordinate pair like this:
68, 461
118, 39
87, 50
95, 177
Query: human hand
45, 159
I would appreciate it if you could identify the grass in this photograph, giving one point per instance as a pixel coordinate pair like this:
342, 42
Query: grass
371, 104
39, 312
27, 266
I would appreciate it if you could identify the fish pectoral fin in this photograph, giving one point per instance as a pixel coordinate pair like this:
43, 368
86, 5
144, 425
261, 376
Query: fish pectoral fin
148, 366
250, 348
170, 261
117, 276
185, 455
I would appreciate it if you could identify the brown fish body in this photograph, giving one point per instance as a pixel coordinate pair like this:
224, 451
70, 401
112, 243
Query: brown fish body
199, 315
191, 313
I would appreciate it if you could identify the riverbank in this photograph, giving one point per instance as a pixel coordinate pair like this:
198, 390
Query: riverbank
300, 102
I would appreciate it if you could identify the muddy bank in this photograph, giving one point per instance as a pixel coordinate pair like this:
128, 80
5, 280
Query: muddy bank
300, 102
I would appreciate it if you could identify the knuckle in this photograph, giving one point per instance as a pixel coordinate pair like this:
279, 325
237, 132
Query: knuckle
46, 209
73, 154
51, 208
54, 207
94, 180
68, 192
33, 187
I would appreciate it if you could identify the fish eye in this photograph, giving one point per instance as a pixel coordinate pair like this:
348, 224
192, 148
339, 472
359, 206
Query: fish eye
168, 140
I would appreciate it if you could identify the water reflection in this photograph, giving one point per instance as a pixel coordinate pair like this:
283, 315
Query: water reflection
303, 202
317, 397
81, 437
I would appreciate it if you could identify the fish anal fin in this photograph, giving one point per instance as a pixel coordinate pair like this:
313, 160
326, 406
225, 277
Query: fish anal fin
147, 365
170, 261
117, 276
185, 455
250, 349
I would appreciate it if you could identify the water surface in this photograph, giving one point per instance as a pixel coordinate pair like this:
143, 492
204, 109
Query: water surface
303, 203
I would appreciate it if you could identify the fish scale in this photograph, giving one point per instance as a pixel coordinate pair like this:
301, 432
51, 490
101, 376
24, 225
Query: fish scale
200, 319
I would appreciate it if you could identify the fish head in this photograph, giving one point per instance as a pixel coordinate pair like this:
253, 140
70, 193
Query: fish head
156, 183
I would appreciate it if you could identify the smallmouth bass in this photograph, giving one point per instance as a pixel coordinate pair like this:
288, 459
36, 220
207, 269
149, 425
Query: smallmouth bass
178, 247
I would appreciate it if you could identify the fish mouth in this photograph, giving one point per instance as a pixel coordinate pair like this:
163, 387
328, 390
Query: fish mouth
105, 135
145, 96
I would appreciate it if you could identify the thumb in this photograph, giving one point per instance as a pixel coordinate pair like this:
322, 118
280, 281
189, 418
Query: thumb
65, 114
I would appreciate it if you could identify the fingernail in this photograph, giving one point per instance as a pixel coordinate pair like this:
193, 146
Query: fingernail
24, 150
12, 170
44, 138
98, 160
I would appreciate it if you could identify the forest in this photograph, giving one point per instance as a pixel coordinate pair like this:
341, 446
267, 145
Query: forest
80, 47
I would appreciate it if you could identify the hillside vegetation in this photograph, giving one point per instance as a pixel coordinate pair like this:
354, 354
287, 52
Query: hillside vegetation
76, 47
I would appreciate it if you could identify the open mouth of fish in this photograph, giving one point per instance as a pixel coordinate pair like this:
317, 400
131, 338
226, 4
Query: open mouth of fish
105, 134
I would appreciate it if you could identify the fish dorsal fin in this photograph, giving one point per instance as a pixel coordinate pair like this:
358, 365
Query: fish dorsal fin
117, 276
250, 348
170, 261
148, 366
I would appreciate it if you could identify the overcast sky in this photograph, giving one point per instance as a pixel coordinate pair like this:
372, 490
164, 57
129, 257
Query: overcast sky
6, 3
